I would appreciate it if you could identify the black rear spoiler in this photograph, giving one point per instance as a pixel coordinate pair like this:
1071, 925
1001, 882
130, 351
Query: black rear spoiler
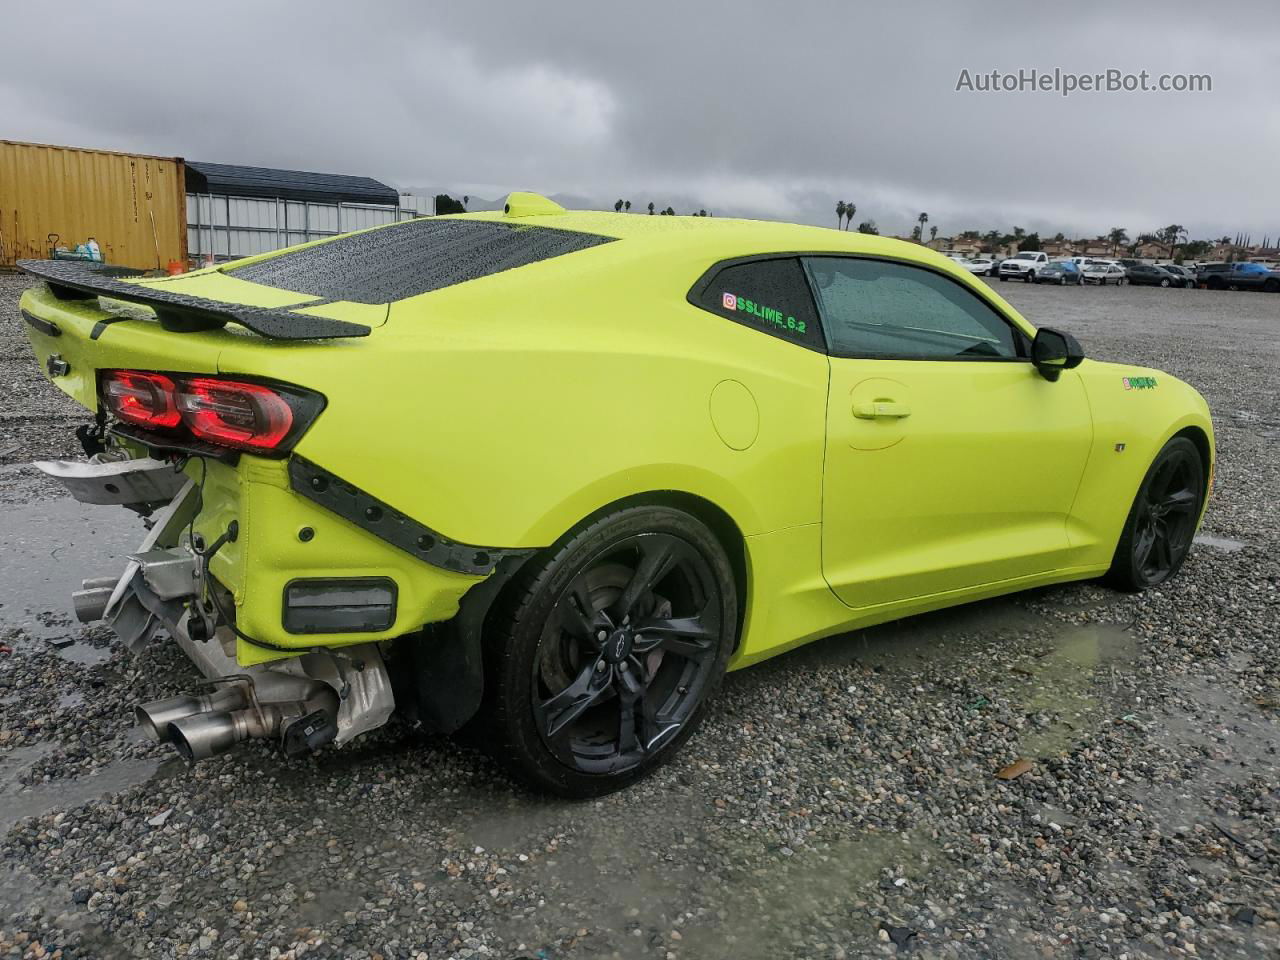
180, 312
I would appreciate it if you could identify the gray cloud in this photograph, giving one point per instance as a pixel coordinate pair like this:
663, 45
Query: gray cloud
749, 109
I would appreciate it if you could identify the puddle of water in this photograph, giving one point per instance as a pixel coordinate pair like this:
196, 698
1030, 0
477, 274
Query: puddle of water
1233, 741
1067, 682
46, 549
1225, 544
786, 898
17, 803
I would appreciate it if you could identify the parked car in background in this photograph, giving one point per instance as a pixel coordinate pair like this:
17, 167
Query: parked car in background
1146, 275
1238, 276
983, 266
1181, 275
1023, 265
1061, 272
1103, 272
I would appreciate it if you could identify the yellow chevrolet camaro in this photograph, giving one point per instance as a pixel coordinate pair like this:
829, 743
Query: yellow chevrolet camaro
549, 474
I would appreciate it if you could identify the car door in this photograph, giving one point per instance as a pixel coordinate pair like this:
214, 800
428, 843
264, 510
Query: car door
950, 461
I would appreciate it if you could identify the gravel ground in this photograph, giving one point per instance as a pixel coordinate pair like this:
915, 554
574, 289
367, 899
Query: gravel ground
841, 801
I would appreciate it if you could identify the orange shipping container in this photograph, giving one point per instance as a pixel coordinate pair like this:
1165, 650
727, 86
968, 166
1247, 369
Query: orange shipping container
133, 206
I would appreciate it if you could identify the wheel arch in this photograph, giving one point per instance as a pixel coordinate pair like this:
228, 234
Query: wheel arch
1198, 436
443, 681
727, 531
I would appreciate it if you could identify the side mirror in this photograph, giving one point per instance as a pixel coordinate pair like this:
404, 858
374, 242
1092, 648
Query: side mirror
1053, 351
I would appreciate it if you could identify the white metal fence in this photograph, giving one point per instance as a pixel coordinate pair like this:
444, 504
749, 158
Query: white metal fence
231, 227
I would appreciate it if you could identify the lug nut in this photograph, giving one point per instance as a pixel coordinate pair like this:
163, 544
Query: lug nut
600, 665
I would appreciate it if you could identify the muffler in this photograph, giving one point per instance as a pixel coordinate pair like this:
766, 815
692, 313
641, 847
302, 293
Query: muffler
155, 718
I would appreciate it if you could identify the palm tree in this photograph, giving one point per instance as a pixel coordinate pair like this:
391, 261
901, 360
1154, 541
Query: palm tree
840, 211
465, 201
1172, 235
627, 206
651, 208
849, 210
1116, 236
933, 233
617, 207
922, 220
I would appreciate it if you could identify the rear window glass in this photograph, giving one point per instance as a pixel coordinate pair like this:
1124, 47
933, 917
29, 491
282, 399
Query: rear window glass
770, 295
418, 256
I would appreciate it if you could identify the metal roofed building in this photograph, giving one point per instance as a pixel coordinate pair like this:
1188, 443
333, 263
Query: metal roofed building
235, 211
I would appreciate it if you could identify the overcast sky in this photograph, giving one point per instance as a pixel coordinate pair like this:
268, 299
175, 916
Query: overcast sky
771, 110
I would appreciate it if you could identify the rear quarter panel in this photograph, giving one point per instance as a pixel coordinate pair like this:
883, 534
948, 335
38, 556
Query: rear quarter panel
503, 411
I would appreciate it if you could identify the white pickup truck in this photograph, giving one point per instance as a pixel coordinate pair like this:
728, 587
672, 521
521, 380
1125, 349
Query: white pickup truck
1023, 265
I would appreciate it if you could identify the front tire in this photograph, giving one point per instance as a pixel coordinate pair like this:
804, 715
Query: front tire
1162, 521
600, 660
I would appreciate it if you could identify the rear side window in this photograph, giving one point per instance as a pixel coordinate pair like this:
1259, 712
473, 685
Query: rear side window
418, 256
770, 295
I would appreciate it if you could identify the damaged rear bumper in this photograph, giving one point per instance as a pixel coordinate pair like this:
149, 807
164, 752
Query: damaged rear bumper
303, 698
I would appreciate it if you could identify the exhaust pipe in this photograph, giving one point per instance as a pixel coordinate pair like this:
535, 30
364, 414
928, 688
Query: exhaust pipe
206, 735
156, 718
301, 727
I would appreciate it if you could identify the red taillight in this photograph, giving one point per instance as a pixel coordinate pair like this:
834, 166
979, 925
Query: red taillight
247, 416
145, 399
261, 418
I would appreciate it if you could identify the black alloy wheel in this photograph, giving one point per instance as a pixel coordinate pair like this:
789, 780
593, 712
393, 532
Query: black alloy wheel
1162, 521
610, 649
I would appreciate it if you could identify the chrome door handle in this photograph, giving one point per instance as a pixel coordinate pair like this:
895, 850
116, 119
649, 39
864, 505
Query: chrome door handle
881, 410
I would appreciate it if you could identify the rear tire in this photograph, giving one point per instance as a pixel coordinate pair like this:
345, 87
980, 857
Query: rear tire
1162, 521
581, 716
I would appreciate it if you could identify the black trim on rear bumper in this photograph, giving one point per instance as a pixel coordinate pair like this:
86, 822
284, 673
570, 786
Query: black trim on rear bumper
180, 312
47, 327
386, 523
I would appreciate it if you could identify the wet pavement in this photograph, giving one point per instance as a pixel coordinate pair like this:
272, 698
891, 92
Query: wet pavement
841, 800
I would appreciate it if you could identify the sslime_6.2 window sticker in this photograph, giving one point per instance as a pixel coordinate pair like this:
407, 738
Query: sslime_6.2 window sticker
769, 316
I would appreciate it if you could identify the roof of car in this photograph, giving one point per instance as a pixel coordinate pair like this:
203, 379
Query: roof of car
765, 235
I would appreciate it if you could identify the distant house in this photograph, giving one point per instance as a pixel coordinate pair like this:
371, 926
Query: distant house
1058, 248
1151, 251
1221, 251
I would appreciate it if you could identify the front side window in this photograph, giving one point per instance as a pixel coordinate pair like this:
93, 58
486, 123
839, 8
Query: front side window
873, 308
